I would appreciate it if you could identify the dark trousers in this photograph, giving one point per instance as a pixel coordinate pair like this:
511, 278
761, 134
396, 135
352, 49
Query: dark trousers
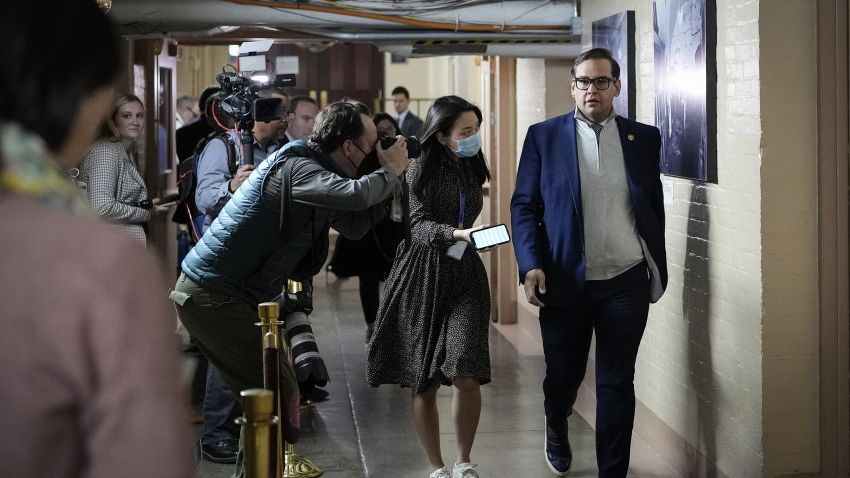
370, 295
220, 409
616, 310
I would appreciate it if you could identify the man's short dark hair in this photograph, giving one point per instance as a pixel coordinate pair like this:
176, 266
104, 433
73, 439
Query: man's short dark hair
296, 100
597, 54
337, 123
400, 90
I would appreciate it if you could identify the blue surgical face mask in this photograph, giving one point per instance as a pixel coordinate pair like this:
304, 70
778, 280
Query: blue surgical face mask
467, 147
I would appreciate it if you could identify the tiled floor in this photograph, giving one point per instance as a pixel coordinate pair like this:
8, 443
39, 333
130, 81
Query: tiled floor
367, 432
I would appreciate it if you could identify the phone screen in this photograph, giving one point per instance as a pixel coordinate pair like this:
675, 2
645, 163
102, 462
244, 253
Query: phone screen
490, 236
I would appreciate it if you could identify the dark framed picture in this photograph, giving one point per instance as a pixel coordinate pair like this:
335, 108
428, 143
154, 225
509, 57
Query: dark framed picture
685, 38
617, 34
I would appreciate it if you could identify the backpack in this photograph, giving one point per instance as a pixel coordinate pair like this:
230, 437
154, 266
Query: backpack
187, 182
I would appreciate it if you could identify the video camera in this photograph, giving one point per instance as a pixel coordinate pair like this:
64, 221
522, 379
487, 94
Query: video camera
239, 99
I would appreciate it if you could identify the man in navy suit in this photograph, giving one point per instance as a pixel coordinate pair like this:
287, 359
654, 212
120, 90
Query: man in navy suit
408, 123
588, 226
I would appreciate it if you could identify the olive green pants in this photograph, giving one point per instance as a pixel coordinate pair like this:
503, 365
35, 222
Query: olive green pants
223, 327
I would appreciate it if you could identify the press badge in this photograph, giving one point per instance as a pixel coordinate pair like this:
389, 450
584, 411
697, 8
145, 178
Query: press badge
457, 249
395, 211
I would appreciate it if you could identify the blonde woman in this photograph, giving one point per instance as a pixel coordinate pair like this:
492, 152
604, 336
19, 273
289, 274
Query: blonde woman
113, 183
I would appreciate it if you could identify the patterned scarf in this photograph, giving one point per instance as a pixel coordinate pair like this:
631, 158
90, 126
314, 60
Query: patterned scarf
28, 169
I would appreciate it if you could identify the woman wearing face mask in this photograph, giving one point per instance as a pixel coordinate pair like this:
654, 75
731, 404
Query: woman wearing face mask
113, 184
433, 321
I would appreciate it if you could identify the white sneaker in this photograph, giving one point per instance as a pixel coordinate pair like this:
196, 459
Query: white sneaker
441, 473
464, 470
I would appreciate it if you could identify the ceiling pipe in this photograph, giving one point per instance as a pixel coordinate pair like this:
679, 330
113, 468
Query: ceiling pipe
486, 17
521, 50
387, 36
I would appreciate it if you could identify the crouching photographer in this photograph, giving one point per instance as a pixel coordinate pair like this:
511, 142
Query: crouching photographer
275, 228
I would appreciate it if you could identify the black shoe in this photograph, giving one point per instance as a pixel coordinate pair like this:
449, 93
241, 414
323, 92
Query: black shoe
559, 455
315, 395
222, 451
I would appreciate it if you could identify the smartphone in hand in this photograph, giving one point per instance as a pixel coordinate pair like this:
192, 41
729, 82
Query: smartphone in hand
490, 236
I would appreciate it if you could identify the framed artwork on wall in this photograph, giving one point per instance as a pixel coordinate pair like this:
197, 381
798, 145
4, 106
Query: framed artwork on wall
685, 41
617, 34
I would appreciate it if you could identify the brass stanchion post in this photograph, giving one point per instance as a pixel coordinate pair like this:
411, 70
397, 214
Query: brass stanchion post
293, 466
269, 328
256, 424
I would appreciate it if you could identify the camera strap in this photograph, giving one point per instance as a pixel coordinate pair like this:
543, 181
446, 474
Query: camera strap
286, 197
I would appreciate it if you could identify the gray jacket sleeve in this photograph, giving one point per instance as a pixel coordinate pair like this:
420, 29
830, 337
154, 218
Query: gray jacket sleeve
357, 202
214, 176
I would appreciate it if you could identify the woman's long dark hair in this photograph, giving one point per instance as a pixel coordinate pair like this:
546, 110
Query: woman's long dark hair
441, 118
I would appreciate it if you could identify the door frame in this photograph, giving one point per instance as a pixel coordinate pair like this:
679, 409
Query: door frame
833, 105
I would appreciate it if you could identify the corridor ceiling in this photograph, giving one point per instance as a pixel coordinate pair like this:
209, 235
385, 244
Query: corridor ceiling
404, 27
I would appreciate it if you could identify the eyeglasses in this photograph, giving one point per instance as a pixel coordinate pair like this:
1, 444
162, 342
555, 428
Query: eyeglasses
601, 83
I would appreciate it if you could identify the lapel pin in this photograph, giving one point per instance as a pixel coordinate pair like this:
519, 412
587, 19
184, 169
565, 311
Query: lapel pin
631, 137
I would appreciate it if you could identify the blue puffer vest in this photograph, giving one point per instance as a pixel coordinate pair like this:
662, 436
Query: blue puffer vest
248, 261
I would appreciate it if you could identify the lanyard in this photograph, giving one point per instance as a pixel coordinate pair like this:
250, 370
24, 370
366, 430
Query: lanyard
460, 213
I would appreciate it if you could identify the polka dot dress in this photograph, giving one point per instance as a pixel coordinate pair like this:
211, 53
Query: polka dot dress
433, 321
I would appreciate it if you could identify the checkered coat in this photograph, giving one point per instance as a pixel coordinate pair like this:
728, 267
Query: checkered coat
114, 186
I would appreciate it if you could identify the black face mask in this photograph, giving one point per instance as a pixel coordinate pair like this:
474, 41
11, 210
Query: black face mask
369, 164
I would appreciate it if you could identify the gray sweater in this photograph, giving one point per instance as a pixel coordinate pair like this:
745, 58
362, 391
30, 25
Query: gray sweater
612, 243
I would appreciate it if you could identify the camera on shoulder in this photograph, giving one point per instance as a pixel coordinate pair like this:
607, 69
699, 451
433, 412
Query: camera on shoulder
239, 99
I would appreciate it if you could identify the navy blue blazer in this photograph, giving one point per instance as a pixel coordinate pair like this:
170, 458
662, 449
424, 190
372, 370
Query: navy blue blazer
546, 209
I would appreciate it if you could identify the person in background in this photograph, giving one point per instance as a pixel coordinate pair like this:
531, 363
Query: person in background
91, 386
588, 224
222, 167
408, 123
434, 319
186, 111
216, 184
114, 185
189, 135
302, 117
250, 250
371, 257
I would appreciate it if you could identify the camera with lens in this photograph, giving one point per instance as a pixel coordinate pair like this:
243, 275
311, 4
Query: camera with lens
144, 204
296, 304
413, 146
239, 99
371, 164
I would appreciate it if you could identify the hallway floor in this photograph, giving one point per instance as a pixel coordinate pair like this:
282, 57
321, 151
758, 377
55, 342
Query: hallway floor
367, 432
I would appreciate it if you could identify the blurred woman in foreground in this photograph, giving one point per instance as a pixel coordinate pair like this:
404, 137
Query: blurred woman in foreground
91, 365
